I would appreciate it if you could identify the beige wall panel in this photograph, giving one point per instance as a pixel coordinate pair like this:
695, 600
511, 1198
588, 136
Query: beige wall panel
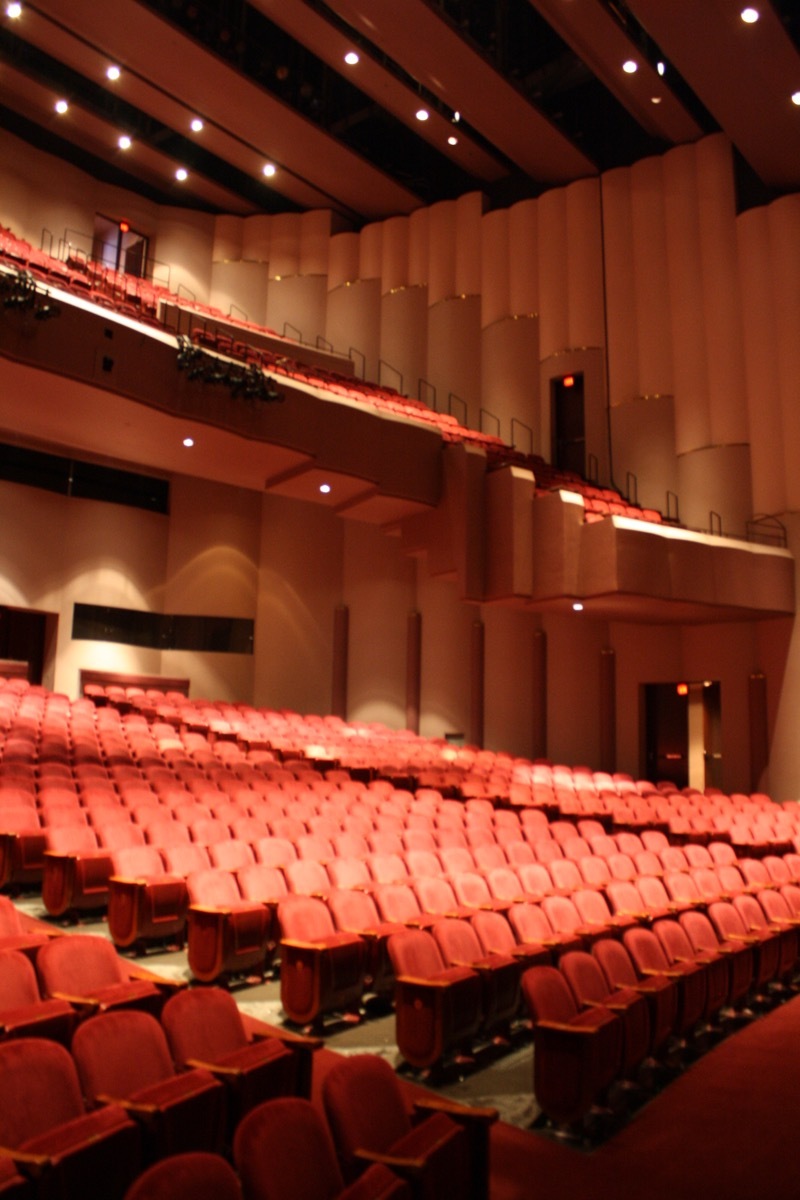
644, 447
296, 306
553, 277
510, 380
343, 259
353, 324
379, 591
446, 631
370, 251
300, 584
394, 253
623, 341
722, 298
762, 363
404, 338
284, 245
584, 264
454, 355
442, 243
185, 241
28, 203
228, 238
419, 224
240, 288
684, 258
256, 237
508, 692
495, 268
315, 236
651, 278
468, 216
784, 221
645, 654
716, 479
523, 241
573, 670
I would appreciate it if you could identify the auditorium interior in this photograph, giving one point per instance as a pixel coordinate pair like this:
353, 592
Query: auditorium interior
398, 422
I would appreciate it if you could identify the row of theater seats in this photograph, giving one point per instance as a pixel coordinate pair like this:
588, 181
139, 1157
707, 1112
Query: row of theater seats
166, 732
609, 1007
104, 1074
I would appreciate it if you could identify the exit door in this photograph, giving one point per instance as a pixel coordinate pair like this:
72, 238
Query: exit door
682, 734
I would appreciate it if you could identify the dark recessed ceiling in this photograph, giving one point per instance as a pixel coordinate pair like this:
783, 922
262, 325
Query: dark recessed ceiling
533, 91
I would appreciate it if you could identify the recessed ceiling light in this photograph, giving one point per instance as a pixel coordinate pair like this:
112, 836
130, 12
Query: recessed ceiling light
14, 11
422, 114
61, 107
577, 606
749, 15
796, 98
661, 68
655, 99
181, 174
630, 67
188, 442
351, 58
324, 488
113, 73
124, 142
269, 169
196, 125
452, 140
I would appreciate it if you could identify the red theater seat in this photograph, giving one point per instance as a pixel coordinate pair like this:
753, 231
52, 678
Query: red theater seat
438, 1008
44, 1120
283, 1150
205, 1029
441, 1149
577, 1054
23, 1012
123, 1059
226, 934
85, 970
196, 1175
322, 969
590, 988
499, 973
145, 903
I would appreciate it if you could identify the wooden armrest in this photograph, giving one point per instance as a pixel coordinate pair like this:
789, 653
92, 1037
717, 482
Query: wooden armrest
131, 1106
411, 1167
77, 1001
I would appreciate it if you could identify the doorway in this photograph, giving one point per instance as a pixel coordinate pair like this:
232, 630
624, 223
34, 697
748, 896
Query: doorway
682, 733
28, 643
568, 424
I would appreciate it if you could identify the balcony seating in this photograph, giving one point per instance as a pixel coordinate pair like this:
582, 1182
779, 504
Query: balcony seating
438, 1008
123, 1059
66, 1150
322, 969
283, 1150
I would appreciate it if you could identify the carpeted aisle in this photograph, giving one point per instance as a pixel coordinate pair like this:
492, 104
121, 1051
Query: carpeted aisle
726, 1130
